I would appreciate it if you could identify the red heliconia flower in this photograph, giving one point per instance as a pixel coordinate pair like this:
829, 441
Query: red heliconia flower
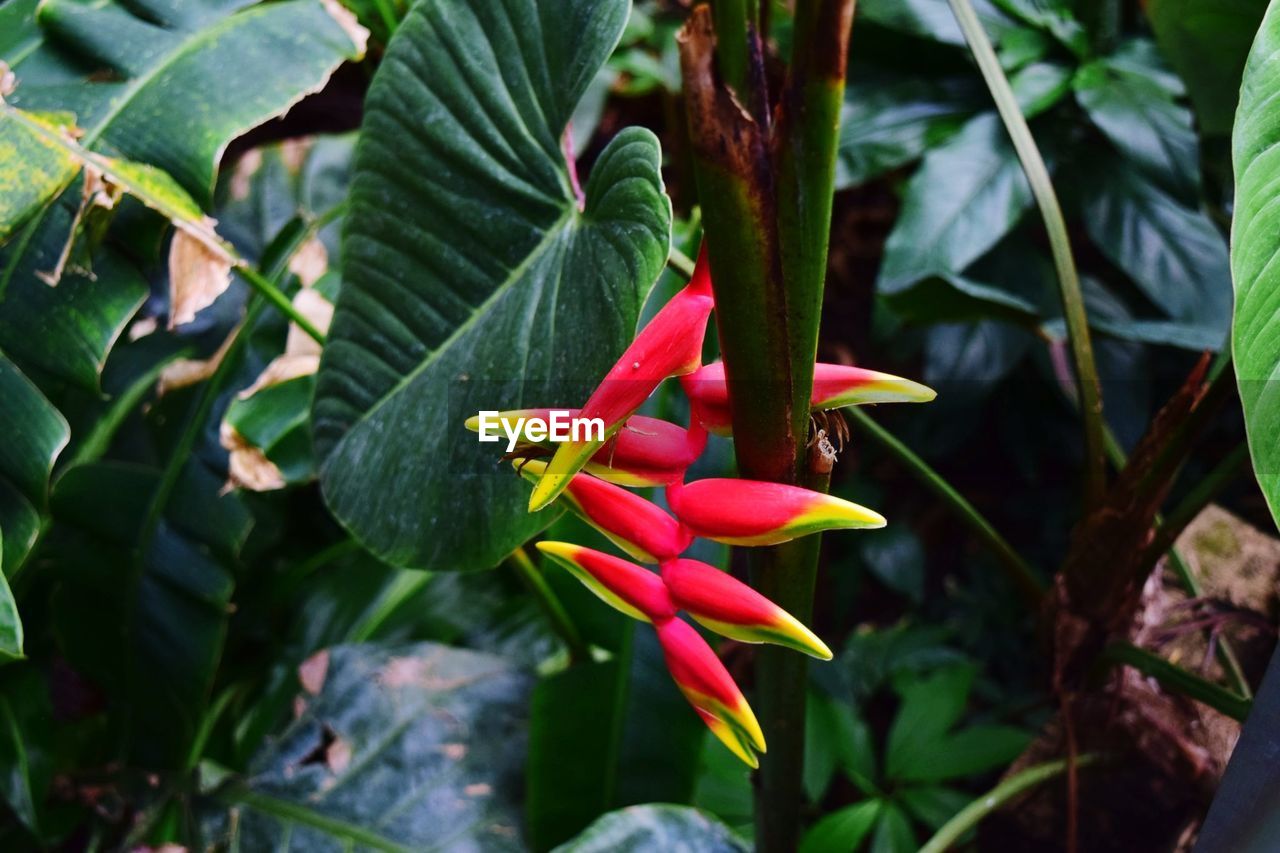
834, 387
644, 452
635, 591
710, 689
751, 512
642, 529
729, 607
670, 345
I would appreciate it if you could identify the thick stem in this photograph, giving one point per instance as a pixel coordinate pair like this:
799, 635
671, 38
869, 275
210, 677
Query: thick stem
787, 575
731, 47
766, 192
1059, 243
807, 139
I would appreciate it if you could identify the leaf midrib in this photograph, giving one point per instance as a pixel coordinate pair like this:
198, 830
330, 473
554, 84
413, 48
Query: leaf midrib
136, 84
285, 810
554, 232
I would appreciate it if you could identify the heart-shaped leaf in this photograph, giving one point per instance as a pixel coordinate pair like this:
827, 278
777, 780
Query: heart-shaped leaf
471, 275
1255, 255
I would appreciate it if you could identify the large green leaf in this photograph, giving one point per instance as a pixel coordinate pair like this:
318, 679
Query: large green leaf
889, 120
1207, 42
10, 623
639, 829
967, 194
32, 168
402, 748
34, 434
1143, 120
1173, 253
121, 69
143, 604
1255, 255
470, 276
230, 67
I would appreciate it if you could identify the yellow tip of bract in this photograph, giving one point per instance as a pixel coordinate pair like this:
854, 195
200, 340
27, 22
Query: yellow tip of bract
569, 557
836, 513
896, 390
787, 631
530, 469
473, 423
730, 737
791, 632
569, 459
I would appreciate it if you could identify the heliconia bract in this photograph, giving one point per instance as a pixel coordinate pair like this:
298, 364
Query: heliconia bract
635, 591
643, 452
639, 451
635, 525
751, 512
729, 607
671, 344
834, 387
710, 689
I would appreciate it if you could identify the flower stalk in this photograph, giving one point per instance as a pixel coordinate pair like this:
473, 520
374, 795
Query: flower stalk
765, 181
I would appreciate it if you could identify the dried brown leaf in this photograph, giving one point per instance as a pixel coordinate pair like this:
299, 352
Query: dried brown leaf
350, 25
248, 467
199, 272
310, 262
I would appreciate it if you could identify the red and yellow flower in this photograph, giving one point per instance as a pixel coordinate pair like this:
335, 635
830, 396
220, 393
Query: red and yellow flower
638, 451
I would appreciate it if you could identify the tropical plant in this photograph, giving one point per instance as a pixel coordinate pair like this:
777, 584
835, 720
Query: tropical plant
266, 270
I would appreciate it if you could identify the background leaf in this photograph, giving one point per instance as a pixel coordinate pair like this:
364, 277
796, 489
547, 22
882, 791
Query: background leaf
967, 194
656, 827
468, 257
1207, 41
842, 830
1143, 120
401, 748
1174, 253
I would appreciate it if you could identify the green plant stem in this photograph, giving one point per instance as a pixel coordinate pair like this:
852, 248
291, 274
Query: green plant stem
267, 289
680, 262
388, 16
731, 43
207, 722
968, 817
559, 618
1073, 307
1178, 680
1018, 570
787, 575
